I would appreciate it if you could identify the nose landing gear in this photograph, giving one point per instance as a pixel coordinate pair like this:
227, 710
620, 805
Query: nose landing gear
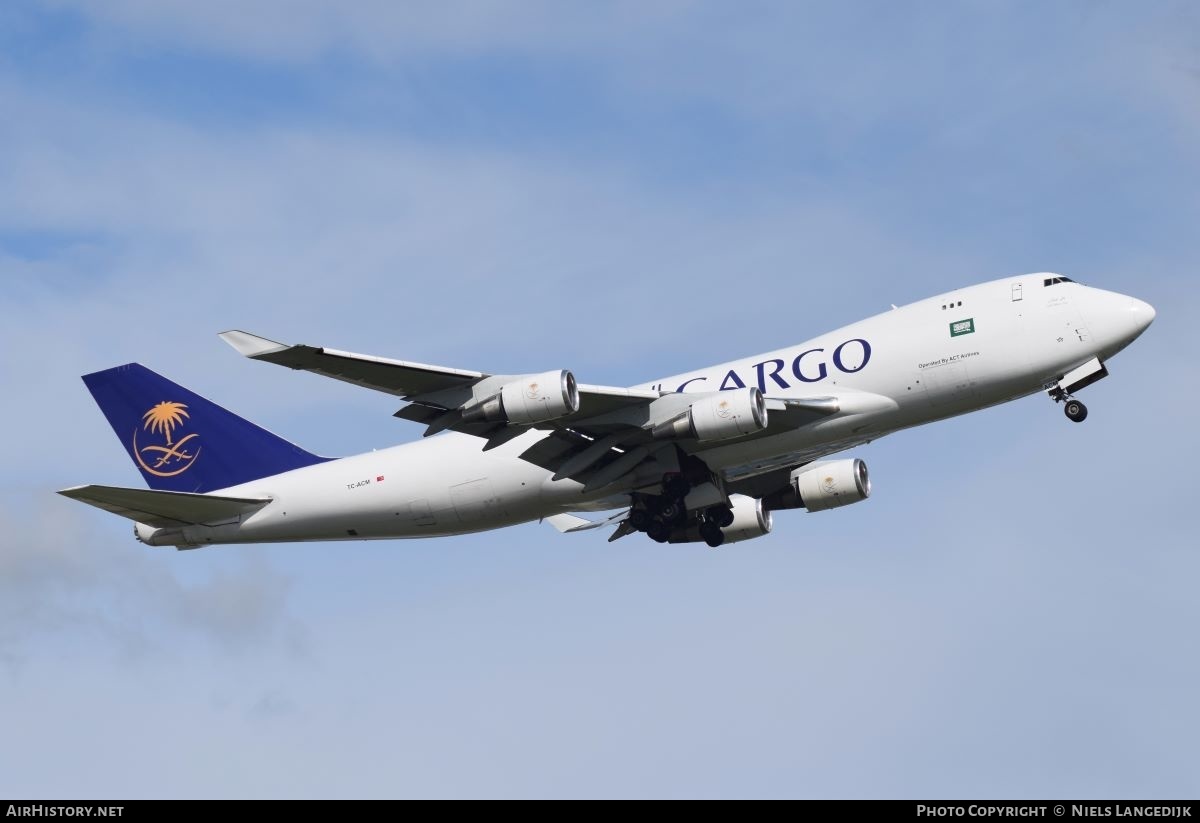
1076, 412
1073, 381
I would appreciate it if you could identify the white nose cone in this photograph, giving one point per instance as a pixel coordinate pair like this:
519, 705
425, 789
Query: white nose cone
1116, 320
1139, 316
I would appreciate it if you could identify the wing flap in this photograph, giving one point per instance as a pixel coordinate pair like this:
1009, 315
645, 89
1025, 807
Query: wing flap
164, 509
595, 401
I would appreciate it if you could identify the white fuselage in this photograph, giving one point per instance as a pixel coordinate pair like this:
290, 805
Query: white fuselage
936, 358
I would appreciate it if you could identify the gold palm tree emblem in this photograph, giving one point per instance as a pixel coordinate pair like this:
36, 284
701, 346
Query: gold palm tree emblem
165, 417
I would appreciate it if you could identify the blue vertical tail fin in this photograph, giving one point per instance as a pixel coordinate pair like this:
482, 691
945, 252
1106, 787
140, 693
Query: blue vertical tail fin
182, 442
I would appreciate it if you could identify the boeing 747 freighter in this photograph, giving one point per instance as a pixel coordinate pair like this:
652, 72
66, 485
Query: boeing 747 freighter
708, 455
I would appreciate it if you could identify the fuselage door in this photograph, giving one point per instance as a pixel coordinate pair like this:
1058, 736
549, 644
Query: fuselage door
474, 500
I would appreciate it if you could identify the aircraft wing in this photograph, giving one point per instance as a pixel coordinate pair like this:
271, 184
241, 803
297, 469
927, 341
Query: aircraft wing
431, 390
397, 377
164, 509
606, 439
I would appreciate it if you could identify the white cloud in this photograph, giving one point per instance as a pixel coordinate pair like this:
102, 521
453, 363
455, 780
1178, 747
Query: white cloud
66, 583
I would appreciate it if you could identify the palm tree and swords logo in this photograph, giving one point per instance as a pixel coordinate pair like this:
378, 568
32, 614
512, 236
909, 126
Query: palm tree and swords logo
172, 458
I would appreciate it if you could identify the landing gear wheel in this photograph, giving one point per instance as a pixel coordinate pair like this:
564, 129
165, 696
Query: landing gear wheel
638, 518
1075, 411
712, 534
658, 531
669, 510
721, 515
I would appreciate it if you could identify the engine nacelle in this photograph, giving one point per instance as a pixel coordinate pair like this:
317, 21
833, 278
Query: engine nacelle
534, 398
750, 519
830, 484
717, 416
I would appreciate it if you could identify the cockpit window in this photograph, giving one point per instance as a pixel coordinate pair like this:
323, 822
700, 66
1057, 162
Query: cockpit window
1054, 281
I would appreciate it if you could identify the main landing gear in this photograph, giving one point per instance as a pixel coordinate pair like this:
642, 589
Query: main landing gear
1075, 411
665, 516
715, 518
658, 515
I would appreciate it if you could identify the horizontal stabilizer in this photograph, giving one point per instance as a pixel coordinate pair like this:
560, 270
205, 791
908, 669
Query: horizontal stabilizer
566, 523
165, 509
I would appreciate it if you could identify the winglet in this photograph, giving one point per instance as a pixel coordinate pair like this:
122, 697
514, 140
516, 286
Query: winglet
250, 345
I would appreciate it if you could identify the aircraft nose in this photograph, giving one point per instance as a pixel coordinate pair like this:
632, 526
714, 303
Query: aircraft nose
1139, 315
1118, 318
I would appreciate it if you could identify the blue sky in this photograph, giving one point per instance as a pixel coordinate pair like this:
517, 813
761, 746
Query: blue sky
628, 190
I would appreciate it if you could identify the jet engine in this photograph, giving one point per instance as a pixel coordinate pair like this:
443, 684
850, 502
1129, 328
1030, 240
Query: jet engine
531, 399
830, 484
717, 416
